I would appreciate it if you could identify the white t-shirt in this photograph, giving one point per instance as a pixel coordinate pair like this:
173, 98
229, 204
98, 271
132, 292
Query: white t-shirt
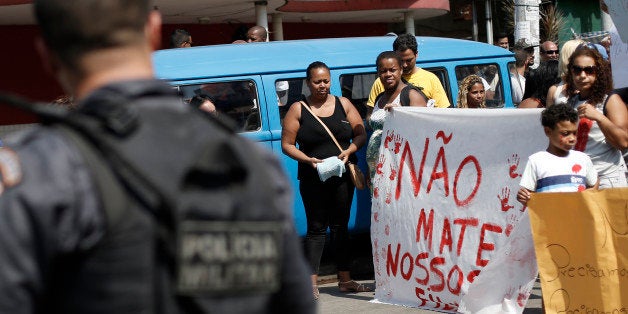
518, 83
547, 172
559, 96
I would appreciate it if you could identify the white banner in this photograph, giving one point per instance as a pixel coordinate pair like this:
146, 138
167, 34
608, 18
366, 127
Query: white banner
618, 10
446, 229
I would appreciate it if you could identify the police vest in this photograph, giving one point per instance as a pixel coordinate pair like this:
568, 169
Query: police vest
190, 213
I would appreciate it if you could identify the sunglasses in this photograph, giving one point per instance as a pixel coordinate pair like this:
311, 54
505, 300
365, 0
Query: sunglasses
587, 46
589, 70
550, 52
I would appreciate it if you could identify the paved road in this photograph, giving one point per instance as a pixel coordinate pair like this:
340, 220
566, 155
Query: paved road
333, 301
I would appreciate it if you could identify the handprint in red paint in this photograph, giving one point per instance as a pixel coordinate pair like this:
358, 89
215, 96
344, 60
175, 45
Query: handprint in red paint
514, 164
380, 164
393, 173
503, 198
521, 299
388, 138
398, 141
511, 221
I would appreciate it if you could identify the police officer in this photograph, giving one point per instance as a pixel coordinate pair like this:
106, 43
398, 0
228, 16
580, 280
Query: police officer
65, 249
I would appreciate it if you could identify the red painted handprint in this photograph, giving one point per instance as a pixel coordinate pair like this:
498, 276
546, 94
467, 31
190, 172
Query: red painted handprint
503, 198
388, 138
511, 222
388, 197
393, 173
380, 164
398, 141
514, 164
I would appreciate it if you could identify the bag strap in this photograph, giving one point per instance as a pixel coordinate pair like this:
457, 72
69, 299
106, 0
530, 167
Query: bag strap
405, 94
604, 102
322, 123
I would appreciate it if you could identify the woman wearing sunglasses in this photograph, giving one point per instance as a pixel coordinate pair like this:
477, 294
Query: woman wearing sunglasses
603, 126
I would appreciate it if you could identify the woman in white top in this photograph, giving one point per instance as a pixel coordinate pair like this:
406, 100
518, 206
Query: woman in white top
603, 129
396, 93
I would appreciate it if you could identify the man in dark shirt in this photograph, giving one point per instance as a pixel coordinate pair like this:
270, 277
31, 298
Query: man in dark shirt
64, 250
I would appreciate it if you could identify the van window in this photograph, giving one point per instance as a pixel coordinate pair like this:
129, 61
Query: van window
356, 87
441, 73
514, 83
236, 99
290, 91
492, 81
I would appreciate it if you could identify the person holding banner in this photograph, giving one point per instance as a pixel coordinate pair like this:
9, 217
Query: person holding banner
603, 129
396, 93
407, 47
558, 168
471, 93
327, 203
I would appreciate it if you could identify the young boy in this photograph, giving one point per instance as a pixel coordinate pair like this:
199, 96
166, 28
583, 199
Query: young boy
558, 168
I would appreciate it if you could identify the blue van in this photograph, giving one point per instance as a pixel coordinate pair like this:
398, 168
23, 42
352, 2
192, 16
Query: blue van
256, 83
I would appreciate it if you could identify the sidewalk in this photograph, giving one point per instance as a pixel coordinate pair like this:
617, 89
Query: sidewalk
333, 301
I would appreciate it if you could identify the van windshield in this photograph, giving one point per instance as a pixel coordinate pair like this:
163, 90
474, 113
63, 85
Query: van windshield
237, 100
490, 77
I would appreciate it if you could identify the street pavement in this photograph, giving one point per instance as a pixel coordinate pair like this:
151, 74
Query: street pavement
333, 301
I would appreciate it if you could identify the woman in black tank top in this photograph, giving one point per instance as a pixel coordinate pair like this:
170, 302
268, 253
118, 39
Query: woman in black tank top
328, 203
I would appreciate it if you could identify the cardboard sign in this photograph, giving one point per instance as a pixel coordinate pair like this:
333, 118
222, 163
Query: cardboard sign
581, 242
446, 228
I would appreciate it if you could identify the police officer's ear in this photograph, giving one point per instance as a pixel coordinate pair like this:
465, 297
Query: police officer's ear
52, 64
44, 55
153, 30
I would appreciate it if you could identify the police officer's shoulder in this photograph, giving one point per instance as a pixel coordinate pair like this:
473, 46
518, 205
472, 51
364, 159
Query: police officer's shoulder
43, 153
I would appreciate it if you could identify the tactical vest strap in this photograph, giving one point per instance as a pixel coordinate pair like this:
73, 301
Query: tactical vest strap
112, 197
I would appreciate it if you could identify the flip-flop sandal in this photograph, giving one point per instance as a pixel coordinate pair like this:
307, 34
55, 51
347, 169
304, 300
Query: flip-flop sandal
353, 286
